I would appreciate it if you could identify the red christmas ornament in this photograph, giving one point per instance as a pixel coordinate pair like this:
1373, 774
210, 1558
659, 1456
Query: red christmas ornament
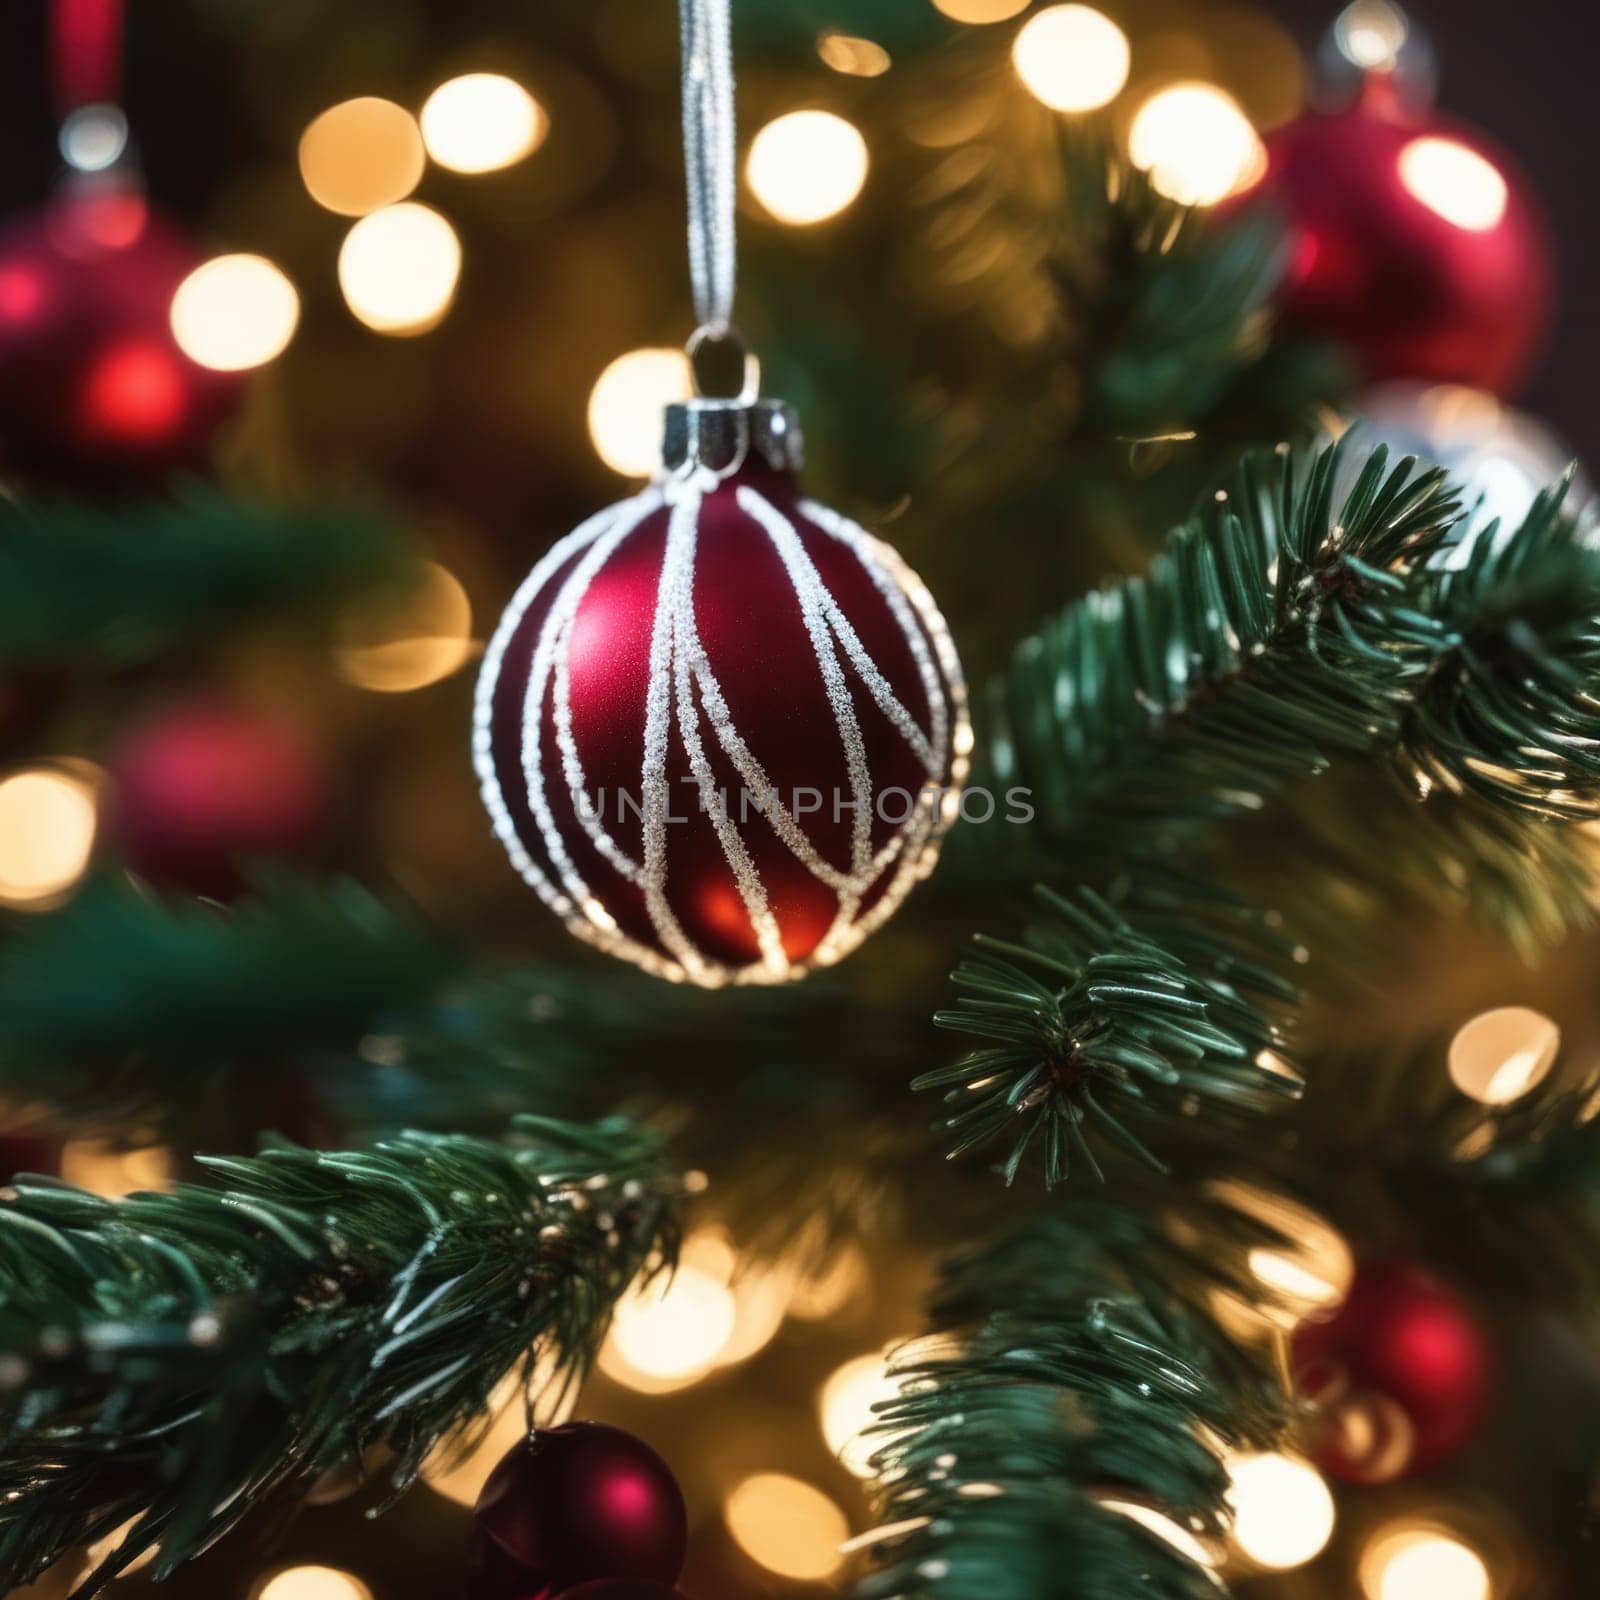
205, 787
93, 385
1401, 1370
1416, 244
577, 1504
720, 729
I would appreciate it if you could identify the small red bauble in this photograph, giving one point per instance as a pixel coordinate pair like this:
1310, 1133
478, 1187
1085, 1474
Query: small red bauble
578, 1504
720, 729
93, 385
1402, 1371
1416, 245
205, 787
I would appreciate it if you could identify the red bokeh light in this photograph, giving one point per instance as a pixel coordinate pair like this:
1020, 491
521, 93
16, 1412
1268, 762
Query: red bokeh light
134, 393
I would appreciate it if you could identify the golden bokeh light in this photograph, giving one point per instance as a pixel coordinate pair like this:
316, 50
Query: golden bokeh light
235, 312
313, 1583
1310, 1272
669, 1334
1072, 58
672, 1333
399, 267
100, 1167
460, 1478
1500, 1055
854, 57
981, 11
807, 166
462, 1482
1196, 144
1373, 1436
482, 122
1163, 1527
409, 641
626, 406
787, 1526
47, 829
844, 1410
760, 1303
1454, 182
1417, 1561
1283, 1512
1371, 34
825, 1292
361, 155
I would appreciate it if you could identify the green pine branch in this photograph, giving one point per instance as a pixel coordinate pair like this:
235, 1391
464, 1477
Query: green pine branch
1280, 631
178, 1359
330, 1015
1165, 308
1413, 863
1092, 1026
1276, 631
1510, 711
1075, 1363
126, 1014
121, 586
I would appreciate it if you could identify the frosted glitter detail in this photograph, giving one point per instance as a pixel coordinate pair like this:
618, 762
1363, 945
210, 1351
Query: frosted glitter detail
682, 690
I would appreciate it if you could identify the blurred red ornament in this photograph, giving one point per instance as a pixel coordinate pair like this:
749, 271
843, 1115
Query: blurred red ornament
1416, 244
204, 787
1401, 1373
93, 385
712, 725
577, 1504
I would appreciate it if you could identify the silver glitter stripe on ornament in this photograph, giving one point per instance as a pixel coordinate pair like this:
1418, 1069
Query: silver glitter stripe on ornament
488, 681
754, 775
677, 568
552, 652
864, 547
839, 625
809, 592
748, 880
586, 919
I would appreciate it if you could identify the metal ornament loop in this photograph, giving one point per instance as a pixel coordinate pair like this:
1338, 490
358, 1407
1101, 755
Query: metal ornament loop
709, 337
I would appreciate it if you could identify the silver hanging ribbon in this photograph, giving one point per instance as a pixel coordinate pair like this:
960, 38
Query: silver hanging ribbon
708, 152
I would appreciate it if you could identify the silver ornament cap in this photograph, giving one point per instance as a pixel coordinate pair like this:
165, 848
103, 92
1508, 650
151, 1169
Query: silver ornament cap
725, 435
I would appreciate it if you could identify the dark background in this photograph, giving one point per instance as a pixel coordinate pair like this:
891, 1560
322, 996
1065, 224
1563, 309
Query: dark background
1524, 72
